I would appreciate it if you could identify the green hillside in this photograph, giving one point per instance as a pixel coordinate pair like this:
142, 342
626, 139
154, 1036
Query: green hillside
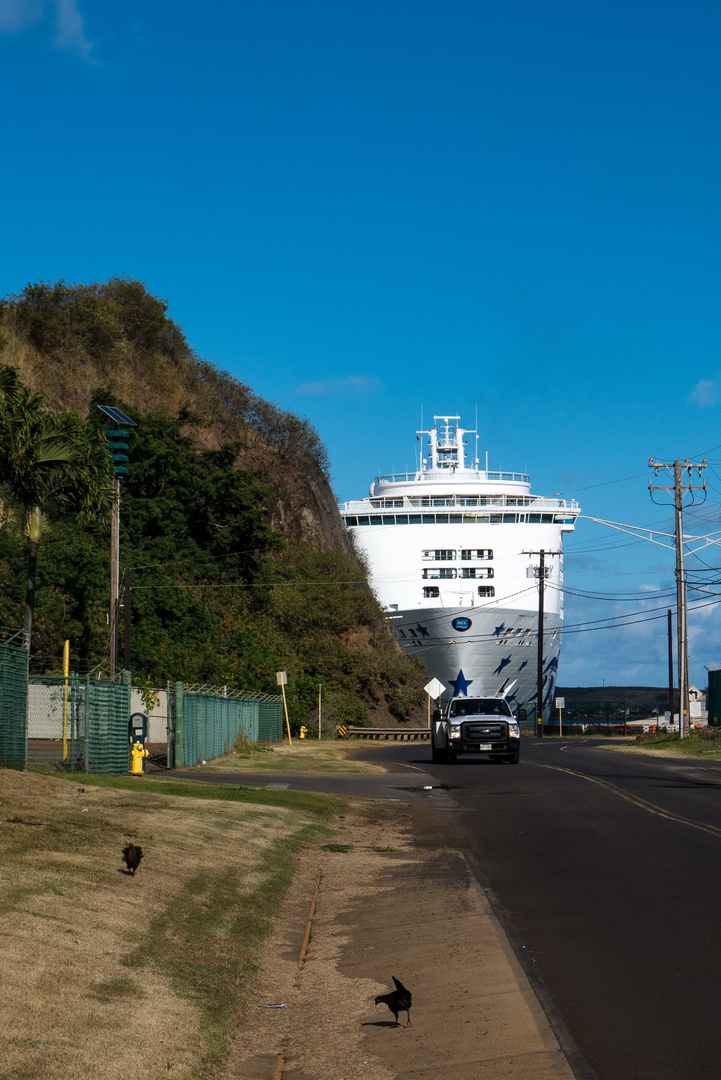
240, 563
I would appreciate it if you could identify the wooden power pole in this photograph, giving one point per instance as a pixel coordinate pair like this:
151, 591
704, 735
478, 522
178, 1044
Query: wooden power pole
679, 489
114, 578
540, 572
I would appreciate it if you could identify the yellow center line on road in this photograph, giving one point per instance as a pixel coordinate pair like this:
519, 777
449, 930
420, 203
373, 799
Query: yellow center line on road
651, 808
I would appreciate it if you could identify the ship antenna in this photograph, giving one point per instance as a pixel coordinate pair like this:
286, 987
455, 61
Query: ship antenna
476, 453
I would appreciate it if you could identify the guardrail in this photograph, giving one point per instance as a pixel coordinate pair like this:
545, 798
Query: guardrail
397, 734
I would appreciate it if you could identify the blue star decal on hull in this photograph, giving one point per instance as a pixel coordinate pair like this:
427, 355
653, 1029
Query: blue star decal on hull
461, 684
522, 666
422, 630
498, 629
504, 662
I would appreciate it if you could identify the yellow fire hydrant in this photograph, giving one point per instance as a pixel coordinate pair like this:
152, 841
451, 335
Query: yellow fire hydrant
303, 732
137, 754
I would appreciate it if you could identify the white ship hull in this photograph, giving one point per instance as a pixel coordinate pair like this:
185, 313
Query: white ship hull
498, 653
453, 553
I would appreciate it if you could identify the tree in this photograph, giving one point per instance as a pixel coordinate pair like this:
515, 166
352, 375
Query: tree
49, 459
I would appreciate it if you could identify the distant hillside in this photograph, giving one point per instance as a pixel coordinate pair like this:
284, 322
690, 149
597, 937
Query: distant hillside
68, 341
242, 566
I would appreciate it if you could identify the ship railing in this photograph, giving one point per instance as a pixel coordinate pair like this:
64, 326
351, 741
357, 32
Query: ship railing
429, 476
462, 503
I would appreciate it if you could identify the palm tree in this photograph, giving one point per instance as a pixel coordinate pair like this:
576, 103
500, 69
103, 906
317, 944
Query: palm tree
49, 458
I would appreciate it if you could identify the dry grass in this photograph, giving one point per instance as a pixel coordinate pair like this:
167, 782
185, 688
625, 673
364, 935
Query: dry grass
306, 755
108, 975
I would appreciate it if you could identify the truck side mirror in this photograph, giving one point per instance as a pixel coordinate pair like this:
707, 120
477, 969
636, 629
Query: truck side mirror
522, 715
436, 716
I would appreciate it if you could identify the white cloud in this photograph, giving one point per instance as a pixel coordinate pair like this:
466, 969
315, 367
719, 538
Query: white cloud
705, 393
19, 15
70, 33
351, 384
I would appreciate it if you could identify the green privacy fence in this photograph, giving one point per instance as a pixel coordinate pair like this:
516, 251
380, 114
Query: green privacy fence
204, 723
81, 722
14, 702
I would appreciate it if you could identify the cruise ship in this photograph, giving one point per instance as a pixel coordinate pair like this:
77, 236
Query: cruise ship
453, 554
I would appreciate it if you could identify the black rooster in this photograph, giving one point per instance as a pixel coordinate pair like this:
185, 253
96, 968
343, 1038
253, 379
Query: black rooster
132, 856
399, 1000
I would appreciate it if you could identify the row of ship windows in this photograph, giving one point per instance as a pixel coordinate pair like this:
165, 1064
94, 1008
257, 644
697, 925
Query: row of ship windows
450, 554
430, 591
453, 500
435, 572
456, 519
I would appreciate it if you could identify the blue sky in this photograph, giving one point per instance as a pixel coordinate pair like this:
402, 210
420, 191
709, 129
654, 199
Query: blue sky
361, 209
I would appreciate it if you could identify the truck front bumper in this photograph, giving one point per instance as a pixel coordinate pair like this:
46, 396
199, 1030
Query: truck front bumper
506, 746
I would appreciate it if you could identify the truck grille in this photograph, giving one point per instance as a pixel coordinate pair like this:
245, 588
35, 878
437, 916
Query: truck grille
479, 732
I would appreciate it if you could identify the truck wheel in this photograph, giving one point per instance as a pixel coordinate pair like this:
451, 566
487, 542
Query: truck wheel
437, 755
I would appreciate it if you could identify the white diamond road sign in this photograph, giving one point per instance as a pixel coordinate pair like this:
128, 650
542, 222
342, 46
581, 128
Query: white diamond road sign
434, 688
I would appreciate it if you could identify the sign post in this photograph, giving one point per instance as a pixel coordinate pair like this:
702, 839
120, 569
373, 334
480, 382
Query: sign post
282, 678
66, 676
434, 689
560, 704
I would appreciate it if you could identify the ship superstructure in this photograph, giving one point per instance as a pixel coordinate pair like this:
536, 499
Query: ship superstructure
447, 549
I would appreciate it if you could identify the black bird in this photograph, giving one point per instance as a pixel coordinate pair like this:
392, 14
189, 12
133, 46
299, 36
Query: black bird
132, 856
399, 1000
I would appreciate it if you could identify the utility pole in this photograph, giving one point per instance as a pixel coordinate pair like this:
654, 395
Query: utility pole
679, 489
114, 577
126, 612
541, 573
670, 665
119, 460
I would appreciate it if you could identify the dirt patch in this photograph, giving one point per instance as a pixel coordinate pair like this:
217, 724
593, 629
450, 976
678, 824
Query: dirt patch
319, 1032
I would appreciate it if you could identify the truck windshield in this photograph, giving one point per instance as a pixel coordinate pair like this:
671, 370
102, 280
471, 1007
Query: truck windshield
480, 707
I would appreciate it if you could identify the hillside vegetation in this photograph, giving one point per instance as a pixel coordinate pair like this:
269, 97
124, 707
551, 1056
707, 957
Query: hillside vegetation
241, 565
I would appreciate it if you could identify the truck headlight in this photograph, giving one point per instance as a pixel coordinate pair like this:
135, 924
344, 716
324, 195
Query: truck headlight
455, 731
514, 731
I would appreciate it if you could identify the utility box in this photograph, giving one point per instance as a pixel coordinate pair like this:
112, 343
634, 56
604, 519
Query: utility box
138, 727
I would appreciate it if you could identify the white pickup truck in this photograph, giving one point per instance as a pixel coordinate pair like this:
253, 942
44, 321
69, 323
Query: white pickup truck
476, 725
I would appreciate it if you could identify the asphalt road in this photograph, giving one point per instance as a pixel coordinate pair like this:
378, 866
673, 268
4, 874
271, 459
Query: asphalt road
608, 868
607, 873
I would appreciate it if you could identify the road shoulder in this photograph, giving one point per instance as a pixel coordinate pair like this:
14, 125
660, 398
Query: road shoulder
390, 906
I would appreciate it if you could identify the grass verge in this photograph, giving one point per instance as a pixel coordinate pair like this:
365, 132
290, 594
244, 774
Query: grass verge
325, 806
701, 743
305, 755
108, 975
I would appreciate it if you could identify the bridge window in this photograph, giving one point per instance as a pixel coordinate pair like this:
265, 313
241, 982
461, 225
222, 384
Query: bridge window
477, 572
439, 555
430, 591
436, 572
471, 554
486, 590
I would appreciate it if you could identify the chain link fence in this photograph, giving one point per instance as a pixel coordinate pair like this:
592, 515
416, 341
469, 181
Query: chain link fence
80, 722
206, 725
13, 701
